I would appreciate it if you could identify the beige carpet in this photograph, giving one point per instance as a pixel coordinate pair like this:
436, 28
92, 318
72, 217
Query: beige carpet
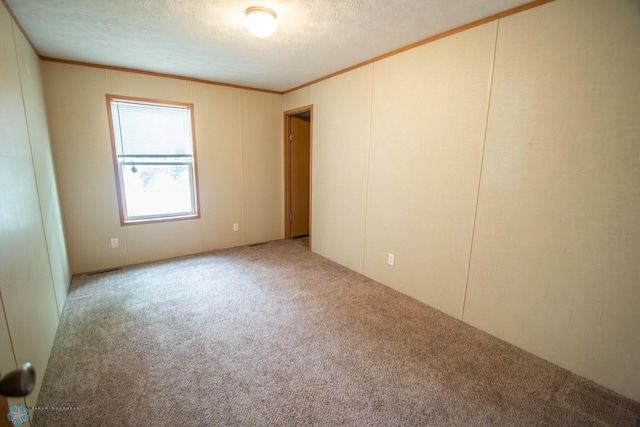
276, 335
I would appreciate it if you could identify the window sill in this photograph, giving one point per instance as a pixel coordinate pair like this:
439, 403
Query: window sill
142, 221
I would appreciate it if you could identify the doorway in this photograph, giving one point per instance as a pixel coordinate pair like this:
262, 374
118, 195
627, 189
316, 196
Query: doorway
298, 125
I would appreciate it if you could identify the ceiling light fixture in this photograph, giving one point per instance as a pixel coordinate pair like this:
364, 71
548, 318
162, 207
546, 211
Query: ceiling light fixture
260, 21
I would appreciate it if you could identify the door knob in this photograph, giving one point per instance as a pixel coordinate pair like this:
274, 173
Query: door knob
19, 382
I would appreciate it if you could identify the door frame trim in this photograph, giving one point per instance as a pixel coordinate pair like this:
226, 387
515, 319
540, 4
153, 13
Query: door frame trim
287, 169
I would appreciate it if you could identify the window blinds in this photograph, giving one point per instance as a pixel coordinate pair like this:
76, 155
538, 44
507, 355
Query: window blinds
151, 130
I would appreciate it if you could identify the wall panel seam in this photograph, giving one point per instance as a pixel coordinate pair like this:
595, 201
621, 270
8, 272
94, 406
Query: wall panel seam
60, 208
243, 226
484, 144
366, 193
33, 166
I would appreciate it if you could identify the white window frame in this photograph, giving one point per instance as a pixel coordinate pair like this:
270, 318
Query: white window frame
118, 164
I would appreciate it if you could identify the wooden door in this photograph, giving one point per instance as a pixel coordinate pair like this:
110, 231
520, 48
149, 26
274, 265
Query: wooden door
300, 157
4, 410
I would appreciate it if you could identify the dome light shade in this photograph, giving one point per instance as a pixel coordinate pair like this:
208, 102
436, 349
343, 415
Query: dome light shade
260, 21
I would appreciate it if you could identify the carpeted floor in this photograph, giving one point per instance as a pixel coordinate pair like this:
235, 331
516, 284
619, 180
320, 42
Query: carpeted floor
276, 335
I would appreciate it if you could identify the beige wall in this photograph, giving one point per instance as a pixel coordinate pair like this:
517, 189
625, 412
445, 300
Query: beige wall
262, 166
500, 166
342, 107
33, 259
426, 149
240, 166
396, 171
556, 256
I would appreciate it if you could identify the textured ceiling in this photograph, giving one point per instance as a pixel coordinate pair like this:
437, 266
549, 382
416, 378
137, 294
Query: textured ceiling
206, 39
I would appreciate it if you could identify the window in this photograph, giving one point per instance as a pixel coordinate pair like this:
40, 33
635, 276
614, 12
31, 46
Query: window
154, 159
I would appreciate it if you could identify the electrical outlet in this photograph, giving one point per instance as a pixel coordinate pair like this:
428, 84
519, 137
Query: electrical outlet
391, 260
114, 243
236, 226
